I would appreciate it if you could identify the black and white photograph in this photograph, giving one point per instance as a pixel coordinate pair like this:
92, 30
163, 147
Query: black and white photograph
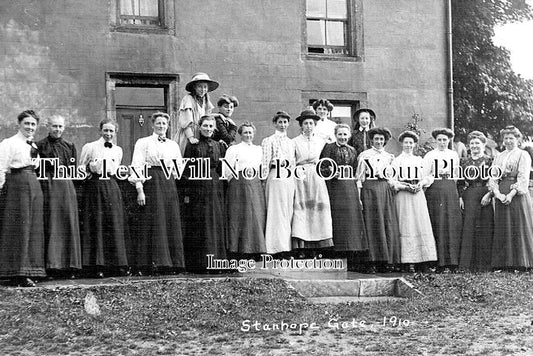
266, 177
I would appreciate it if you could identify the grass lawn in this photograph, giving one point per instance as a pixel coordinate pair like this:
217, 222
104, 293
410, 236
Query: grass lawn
460, 314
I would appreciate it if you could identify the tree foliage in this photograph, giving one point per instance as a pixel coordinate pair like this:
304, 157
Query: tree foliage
488, 94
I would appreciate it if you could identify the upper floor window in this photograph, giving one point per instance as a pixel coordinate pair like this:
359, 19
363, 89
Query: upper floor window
140, 12
334, 28
327, 23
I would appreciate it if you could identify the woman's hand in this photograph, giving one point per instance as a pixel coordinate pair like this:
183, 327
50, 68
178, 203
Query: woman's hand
486, 199
461, 203
509, 197
193, 140
141, 198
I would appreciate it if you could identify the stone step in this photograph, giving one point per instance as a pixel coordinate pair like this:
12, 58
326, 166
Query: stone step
366, 287
339, 300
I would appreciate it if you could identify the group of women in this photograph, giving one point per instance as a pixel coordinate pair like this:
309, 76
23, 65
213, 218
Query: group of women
271, 198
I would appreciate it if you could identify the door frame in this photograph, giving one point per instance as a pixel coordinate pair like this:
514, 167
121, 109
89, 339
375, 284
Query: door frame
169, 81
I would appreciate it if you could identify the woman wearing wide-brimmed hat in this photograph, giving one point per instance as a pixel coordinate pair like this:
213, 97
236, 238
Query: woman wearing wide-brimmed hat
278, 153
362, 120
192, 107
311, 221
381, 218
440, 166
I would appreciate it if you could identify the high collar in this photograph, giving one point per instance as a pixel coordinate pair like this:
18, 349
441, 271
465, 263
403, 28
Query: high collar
379, 151
365, 129
280, 134
54, 140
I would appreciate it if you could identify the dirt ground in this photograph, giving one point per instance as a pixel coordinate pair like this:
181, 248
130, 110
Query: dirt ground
463, 314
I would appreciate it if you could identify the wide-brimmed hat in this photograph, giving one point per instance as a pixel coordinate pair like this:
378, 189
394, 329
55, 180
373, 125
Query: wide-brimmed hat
307, 114
442, 131
370, 111
201, 77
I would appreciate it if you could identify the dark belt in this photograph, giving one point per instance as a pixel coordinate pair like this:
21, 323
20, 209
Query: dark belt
412, 181
27, 169
444, 176
476, 184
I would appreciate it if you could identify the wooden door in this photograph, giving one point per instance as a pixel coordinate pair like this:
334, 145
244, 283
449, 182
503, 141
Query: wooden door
134, 123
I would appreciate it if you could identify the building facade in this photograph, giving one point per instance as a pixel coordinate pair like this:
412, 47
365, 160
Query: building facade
124, 59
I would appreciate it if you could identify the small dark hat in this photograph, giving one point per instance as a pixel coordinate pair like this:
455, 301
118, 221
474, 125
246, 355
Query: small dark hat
370, 111
281, 114
442, 131
307, 114
201, 77
408, 133
477, 134
379, 131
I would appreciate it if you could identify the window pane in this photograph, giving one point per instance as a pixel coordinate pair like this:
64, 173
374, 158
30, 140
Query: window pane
149, 8
337, 9
316, 34
126, 7
335, 32
316, 8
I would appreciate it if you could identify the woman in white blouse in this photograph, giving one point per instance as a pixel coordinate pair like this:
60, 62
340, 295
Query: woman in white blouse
103, 216
512, 247
278, 154
416, 235
245, 195
21, 199
441, 168
157, 228
312, 227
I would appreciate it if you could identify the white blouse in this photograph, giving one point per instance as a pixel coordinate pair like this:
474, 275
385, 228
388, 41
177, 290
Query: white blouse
241, 156
94, 153
325, 129
15, 152
308, 149
409, 167
513, 163
277, 146
379, 161
149, 151
446, 160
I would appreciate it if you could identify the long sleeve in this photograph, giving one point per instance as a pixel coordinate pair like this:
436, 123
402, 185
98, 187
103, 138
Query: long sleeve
223, 132
522, 178
85, 155
4, 156
266, 146
138, 161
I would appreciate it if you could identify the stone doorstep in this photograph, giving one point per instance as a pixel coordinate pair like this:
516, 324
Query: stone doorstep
358, 288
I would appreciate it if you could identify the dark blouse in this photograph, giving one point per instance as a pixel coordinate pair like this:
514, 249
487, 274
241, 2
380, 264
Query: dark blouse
360, 141
205, 148
463, 184
342, 155
65, 151
225, 130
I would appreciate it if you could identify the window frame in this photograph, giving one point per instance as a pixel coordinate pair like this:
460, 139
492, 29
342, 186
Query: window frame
355, 99
353, 35
166, 19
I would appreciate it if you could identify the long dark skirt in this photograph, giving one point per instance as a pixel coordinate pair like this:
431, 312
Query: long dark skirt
61, 224
204, 220
22, 233
446, 220
478, 230
156, 232
246, 215
103, 224
513, 231
381, 222
347, 215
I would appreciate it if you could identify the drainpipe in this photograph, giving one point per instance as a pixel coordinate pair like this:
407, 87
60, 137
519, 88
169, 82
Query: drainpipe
449, 63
